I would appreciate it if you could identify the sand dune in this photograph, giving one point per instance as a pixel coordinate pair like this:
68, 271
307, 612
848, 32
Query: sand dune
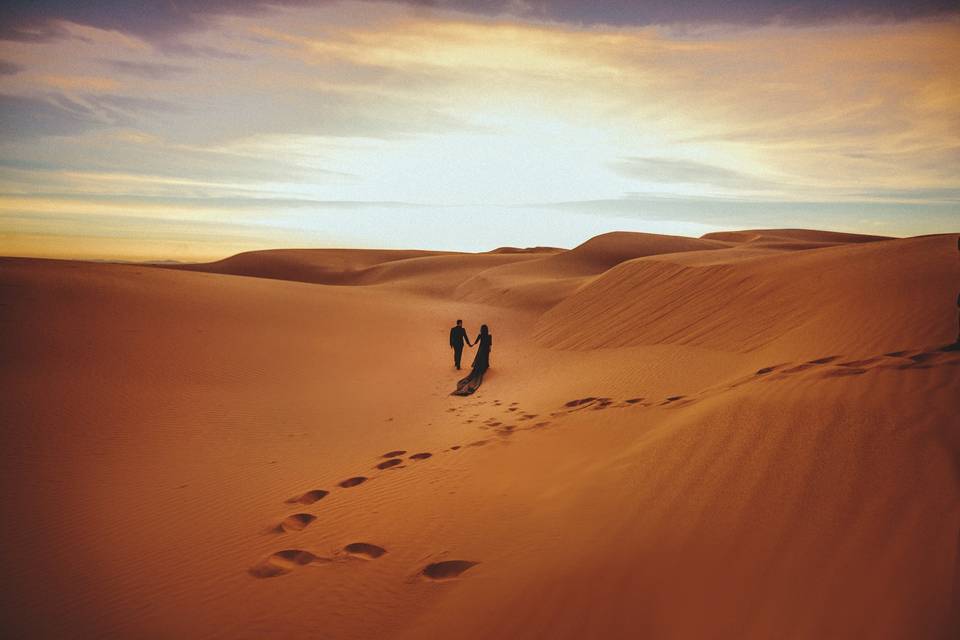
800, 303
539, 284
799, 237
749, 435
319, 266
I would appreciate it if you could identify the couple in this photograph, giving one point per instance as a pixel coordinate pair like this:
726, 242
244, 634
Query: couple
458, 335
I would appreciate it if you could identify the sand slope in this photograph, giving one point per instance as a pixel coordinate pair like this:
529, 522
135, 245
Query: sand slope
539, 284
678, 438
321, 266
835, 298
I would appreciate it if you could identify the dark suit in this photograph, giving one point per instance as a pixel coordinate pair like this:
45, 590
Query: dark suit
457, 338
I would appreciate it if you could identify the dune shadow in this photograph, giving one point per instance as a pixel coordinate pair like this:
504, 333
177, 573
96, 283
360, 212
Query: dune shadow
447, 569
364, 549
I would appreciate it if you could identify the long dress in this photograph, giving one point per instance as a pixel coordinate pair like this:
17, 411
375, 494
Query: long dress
481, 363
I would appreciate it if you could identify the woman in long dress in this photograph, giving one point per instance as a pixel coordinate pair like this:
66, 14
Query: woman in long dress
481, 363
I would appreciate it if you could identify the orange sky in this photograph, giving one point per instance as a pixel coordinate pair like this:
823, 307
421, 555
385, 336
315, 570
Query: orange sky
352, 124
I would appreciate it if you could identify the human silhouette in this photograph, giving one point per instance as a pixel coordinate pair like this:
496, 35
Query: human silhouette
457, 337
481, 363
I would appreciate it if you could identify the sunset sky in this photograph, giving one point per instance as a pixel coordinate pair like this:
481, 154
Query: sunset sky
193, 130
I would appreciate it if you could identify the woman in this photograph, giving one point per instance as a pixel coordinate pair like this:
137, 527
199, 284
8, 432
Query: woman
481, 363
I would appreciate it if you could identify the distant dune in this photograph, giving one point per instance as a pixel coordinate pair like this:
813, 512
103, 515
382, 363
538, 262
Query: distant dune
746, 435
800, 237
527, 250
319, 266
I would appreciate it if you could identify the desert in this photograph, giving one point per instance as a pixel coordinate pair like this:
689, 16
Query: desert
480, 320
745, 435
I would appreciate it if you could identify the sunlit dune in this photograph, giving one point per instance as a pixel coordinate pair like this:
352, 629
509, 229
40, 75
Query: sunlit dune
746, 435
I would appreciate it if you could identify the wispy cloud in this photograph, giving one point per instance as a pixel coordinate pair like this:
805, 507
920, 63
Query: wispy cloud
151, 70
9, 68
664, 170
26, 117
33, 20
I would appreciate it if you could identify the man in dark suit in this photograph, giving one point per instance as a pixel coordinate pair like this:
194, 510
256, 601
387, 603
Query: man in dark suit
457, 337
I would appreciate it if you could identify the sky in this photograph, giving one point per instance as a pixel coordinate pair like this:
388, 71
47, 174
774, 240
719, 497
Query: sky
193, 130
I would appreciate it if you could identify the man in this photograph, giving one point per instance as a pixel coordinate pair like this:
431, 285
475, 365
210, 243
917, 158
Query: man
457, 337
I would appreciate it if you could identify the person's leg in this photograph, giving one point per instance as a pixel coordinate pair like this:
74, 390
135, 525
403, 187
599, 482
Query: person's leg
457, 353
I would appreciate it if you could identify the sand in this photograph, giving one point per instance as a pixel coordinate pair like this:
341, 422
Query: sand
748, 435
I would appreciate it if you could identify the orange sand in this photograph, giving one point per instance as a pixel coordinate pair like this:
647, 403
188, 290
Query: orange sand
767, 444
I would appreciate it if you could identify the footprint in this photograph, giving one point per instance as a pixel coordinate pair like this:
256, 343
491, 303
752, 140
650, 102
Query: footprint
672, 399
309, 497
420, 456
447, 570
859, 363
365, 550
455, 447
798, 368
633, 400
283, 562
540, 425
392, 462
896, 354
296, 522
581, 401
837, 373
764, 371
478, 443
921, 359
393, 454
603, 403
352, 482
823, 360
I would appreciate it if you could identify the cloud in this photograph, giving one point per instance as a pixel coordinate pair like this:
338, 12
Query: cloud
150, 70
9, 68
690, 172
744, 12
24, 117
300, 107
33, 20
